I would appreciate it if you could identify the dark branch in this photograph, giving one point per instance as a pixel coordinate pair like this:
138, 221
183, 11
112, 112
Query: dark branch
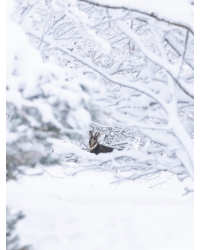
141, 12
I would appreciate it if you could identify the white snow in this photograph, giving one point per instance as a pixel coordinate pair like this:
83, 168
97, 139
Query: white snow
87, 212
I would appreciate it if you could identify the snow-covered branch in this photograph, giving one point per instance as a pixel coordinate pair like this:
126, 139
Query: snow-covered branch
144, 64
181, 18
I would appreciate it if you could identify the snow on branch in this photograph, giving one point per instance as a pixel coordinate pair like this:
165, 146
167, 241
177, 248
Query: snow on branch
180, 17
171, 70
134, 62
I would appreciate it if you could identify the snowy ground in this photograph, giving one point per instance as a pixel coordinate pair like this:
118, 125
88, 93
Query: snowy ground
87, 212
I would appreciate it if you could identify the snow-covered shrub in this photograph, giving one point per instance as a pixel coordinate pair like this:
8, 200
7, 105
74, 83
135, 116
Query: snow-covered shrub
149, 73
145, 61
12, 240
44, 101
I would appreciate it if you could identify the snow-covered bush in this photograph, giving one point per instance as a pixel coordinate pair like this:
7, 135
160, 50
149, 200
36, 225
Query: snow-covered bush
149, 74
12, 240
142, 53
44, 101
